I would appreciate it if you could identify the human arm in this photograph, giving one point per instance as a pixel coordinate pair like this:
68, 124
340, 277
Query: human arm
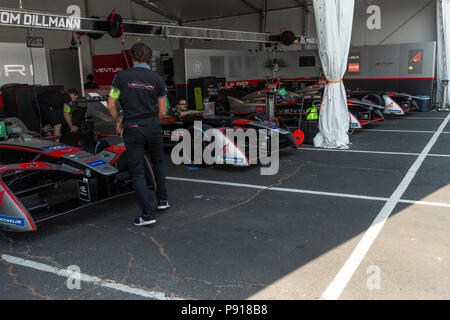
112, 108
111, 104
162, 107
68, 119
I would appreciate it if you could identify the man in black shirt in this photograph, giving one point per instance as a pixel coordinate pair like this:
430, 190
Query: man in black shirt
142, 94
91, 84
51, 104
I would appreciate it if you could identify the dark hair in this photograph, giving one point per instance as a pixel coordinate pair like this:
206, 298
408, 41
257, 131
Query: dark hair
73, 91
179, 100
140, 52
90, 77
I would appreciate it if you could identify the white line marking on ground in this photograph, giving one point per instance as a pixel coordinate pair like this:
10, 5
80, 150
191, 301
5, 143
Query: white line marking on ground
362, 151
398, 131
341, 280
87, 278
252, 186
426, 203
376, 152
419, 118
439, 155
318, 193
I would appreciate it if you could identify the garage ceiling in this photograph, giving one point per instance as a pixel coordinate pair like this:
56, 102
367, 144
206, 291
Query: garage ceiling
185, 11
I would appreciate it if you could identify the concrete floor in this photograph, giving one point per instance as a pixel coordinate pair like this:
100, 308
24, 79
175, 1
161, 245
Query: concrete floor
229, 236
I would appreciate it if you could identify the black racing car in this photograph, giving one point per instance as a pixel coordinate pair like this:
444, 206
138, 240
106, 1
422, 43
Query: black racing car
42, 179
222, 127
393, 103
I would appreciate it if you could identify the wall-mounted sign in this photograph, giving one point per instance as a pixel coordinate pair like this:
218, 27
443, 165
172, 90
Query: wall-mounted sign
24, 19
197, 67
415, 65
309, 40
107, 66
354, 63
16, 66
35, 42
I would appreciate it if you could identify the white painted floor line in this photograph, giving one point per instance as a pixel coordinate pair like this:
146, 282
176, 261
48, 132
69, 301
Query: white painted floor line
376, 152
318, 193
362, 151
418, 118
398, 131
337, 286
87, 278
439, 155
252, 186
426, 203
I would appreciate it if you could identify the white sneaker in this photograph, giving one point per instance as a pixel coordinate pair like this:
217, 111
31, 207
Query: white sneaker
143, 221
163, 205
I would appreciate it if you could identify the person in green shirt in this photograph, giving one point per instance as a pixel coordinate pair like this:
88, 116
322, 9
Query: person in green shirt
73, 93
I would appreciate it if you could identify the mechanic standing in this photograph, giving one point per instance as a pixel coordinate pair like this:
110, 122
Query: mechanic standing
142, 95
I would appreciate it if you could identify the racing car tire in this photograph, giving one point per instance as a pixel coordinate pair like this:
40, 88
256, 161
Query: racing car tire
87, 128
415, 104
378, 100
122, 164
222, 108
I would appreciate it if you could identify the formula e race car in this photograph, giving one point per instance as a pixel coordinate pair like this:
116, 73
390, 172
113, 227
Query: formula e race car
220, 129
293, 104
41, 179
394, 103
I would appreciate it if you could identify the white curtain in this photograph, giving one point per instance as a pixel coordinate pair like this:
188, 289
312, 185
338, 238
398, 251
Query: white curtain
443, 43
334, 21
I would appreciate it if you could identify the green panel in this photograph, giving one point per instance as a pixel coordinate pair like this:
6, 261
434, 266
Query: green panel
3, 132
114, 93
282, 92
198, 98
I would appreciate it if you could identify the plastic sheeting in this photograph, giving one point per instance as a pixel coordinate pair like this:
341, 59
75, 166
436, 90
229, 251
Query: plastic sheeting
334, 21
443, 43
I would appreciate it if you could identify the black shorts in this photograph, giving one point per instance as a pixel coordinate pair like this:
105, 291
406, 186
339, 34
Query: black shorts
51, 116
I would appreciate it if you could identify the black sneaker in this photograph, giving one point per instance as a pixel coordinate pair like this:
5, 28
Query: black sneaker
163, 204
144, 221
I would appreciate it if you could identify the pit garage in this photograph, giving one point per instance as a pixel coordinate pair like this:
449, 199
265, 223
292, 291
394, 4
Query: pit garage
353, 203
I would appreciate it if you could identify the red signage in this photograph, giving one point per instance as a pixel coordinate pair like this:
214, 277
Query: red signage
108, 65
353, 67
417, 58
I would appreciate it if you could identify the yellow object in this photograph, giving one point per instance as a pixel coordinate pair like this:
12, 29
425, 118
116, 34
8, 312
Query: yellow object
198, 98
312, 113
114, 93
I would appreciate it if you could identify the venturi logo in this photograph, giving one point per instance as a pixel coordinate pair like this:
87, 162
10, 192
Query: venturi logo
14, 69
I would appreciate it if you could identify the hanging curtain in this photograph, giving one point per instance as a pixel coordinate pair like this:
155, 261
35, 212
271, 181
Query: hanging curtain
334, 21
443, 46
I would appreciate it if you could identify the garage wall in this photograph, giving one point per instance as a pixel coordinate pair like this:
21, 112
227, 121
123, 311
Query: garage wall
291, 19
402, 21
52, 39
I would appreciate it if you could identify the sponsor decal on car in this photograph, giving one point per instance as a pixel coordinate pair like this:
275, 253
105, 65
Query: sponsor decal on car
20, 222
234, 160
95, 164
55, 148
393, 111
